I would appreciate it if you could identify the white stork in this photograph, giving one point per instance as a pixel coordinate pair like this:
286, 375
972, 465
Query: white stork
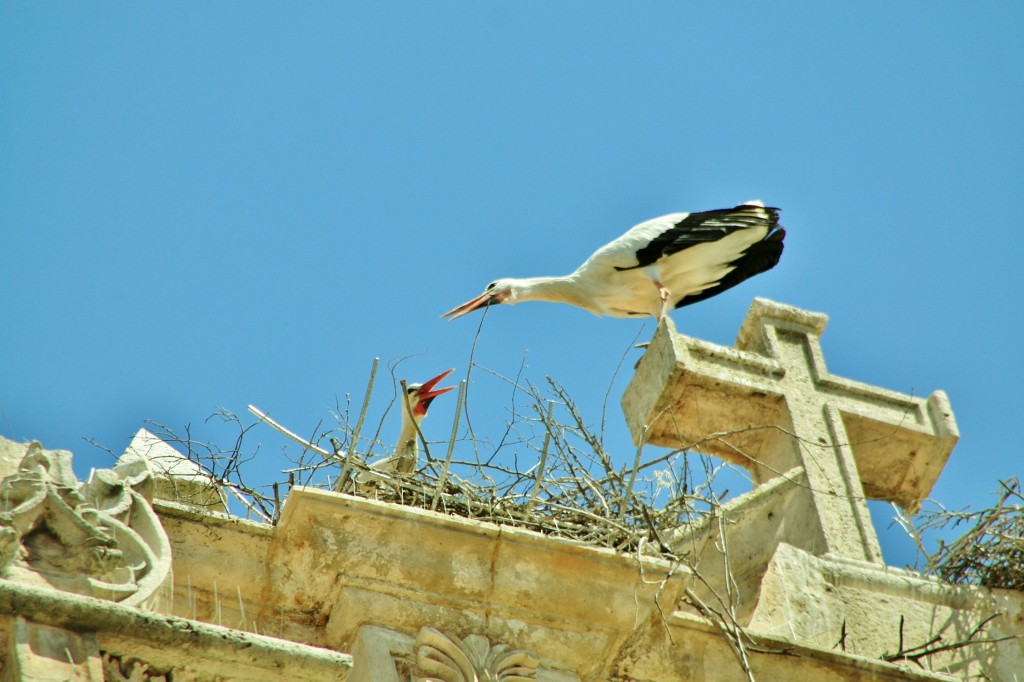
663, 263
414, 405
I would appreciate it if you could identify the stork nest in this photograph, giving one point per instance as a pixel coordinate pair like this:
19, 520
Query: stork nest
572, 490
991, 550
595, 510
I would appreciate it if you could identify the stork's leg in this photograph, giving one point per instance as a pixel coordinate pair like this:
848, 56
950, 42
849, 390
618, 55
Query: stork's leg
665, 296
663, 293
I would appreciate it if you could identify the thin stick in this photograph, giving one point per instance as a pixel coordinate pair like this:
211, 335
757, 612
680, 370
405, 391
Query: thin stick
543, 458
451, 447
263, 417
356, 464
249, 506
469, 370
733, 634
346, 465
611, 383
632, 475
512, 407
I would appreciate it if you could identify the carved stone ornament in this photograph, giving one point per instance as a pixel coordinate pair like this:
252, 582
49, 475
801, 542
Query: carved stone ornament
123, 669
100, 538
440, 658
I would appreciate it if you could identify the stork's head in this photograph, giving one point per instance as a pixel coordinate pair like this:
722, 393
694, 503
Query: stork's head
498, 291
421, 395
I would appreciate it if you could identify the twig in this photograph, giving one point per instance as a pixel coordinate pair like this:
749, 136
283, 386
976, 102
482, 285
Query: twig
469, 370
451, 446
264, 417
928, 648
730, 630
346, 464
543, 459
632, 475
622, 358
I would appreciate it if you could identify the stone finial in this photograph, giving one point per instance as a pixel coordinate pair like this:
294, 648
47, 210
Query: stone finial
99, 538
770, 405
175, 477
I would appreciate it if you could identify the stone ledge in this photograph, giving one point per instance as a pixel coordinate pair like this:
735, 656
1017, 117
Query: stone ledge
354, 562
842, 667
210, 517
218, 652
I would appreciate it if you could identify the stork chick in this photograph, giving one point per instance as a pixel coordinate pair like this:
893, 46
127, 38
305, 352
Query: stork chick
660, 264
413, 405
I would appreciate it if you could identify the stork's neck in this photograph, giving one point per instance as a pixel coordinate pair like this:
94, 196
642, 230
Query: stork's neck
407, 437
554, 290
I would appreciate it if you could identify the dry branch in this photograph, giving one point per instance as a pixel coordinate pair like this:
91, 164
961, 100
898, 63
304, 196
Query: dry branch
990, 551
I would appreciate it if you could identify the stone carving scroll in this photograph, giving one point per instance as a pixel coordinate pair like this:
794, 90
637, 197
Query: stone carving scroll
99, 538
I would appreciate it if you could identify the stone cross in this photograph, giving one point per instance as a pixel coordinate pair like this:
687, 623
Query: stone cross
770, 405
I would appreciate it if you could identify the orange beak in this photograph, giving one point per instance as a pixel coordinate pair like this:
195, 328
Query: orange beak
427, 391
482, 301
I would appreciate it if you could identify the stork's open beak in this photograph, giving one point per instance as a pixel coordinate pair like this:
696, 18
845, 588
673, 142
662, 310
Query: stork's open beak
482, 301
427, 391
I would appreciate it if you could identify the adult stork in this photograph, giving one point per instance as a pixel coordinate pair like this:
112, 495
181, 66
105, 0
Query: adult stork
663, 263
414, 405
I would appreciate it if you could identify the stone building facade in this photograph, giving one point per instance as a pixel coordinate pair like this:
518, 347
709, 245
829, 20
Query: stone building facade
118, 579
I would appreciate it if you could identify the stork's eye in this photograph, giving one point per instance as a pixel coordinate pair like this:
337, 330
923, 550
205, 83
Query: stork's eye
412, 389
491, 286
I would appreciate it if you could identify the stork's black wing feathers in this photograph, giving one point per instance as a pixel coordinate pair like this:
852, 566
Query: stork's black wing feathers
710, 226
763, 255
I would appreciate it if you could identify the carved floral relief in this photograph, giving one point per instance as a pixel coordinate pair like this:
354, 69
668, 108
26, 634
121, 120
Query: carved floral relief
440, 658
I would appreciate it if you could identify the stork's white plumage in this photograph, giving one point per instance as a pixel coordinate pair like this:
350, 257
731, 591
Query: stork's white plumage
663, 263
414, 407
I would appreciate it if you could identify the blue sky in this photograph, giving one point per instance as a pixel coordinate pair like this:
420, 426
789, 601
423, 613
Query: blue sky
208, 205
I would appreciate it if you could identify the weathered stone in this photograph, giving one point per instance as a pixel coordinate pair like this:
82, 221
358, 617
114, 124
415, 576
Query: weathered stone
382, 655
177, 478
194, 650
99, 538
770, 405
42, 653
355, 561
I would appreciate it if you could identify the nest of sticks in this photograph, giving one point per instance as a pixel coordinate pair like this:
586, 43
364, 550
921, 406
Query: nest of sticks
571, 489
990, 552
